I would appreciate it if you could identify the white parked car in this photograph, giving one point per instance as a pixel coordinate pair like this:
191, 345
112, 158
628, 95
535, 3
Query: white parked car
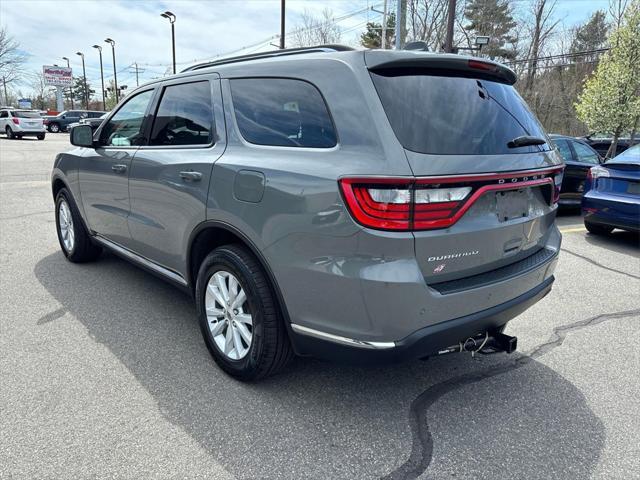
17, 123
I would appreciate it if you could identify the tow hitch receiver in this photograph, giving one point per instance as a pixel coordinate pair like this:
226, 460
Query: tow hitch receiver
484, 343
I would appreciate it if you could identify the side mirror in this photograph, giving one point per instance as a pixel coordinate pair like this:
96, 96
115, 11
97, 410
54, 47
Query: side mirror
64, 116
81, 136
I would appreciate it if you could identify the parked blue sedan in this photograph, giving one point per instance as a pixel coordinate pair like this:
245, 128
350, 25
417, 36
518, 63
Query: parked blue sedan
612, 194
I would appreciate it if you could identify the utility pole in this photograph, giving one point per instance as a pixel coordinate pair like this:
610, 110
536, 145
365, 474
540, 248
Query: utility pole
400, 4
281, 24
383, 41
448, 42
136, 64
6, 97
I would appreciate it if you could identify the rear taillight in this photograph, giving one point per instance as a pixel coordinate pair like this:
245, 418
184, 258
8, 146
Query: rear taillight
16, 120
403, 204
597, 172
379, 203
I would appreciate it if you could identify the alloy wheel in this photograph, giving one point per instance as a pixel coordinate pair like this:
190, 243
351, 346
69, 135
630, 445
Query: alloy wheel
65, 222
228, 315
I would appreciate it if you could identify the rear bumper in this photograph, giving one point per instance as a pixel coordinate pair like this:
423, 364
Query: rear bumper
425, 342
618, 212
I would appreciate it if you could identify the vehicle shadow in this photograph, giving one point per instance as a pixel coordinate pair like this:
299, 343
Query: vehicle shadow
320, 420
619, 241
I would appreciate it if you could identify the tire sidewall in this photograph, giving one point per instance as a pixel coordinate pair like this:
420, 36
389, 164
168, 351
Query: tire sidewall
63, 196
224, 259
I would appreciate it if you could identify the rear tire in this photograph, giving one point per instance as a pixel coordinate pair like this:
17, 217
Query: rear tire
598, 229
75, 241
269, 349
9, 132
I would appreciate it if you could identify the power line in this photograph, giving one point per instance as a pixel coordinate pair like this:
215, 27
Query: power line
559, 56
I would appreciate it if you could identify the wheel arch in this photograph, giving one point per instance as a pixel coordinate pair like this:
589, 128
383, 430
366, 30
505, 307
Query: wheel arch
212, 234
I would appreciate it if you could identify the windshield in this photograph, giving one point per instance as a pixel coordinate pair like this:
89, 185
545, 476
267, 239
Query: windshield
26, 114
455, 115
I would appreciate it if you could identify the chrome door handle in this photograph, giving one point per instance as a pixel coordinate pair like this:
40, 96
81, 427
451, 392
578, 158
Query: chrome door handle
119, 168
191, 176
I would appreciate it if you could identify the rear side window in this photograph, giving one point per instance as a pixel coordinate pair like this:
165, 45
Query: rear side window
184, 116
4, 114
565, 151
455, 115
282, 112
24, 114
585, 154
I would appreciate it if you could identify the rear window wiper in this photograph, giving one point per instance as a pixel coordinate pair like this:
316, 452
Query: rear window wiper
525, 141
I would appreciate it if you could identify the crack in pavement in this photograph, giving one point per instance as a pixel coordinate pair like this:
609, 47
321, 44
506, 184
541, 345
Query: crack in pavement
26, 215
422, 445
597, 264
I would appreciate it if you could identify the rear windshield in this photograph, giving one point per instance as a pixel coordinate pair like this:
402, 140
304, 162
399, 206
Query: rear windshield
20, 114
455, 115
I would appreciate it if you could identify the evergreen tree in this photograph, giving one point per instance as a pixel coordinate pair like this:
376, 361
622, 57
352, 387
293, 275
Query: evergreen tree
79, 92
492, 18
592, 35
372, 37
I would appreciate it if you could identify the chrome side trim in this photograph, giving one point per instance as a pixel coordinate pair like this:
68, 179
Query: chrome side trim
129, 255
343, 340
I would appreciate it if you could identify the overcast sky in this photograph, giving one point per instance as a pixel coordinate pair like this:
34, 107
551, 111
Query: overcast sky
49, 30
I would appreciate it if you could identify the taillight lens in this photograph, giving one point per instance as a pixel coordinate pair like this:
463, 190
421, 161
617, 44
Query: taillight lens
557, 185
378, 203
432, 204
598, 172
16, 120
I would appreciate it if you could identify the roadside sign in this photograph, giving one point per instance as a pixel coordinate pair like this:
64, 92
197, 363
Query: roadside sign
24, 103
57, 76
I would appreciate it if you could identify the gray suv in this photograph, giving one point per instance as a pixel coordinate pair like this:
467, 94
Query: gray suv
356, 205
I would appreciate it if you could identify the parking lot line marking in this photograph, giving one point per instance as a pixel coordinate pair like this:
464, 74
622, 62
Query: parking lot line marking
573, 230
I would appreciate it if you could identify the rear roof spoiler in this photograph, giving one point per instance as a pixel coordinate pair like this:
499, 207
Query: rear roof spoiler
396, 61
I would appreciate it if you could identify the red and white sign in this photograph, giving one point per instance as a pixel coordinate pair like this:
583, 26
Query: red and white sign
57, 76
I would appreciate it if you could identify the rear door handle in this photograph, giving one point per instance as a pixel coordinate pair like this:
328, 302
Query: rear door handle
191, 176
119, 168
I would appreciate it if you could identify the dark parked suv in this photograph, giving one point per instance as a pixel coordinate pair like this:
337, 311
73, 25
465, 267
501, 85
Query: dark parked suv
60, 122
362, 205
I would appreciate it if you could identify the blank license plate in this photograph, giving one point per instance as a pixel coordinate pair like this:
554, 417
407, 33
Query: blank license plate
634, 188
510, 205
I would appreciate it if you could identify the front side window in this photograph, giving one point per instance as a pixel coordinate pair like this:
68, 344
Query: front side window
282, 112
565, 151
585, 154
184, 116
124, 129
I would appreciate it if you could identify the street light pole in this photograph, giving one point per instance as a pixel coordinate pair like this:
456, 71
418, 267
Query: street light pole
84, 77
71, 87
104, 107
282, 18
172, 18
115, 74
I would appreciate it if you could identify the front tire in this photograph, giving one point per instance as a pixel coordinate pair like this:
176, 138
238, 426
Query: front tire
75, 241
598, 229
41, 136
54, 127
238, 315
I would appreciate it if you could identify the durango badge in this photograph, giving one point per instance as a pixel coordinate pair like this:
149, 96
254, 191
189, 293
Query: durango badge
449, 256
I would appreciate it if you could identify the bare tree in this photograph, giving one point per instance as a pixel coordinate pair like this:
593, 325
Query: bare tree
541, 30
314, 30
11, 59
616, 11
427, 21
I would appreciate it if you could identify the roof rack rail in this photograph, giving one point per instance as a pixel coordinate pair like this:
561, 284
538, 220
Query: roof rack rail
274, 53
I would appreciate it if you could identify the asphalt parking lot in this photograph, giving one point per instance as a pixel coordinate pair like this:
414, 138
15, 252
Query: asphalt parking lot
103, 373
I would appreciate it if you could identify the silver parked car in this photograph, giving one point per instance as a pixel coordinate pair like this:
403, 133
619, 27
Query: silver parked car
18, 123
358, 205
